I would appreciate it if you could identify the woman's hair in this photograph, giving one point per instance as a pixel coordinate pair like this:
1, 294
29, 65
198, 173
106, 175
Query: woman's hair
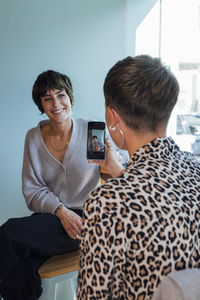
51, 80
142, 90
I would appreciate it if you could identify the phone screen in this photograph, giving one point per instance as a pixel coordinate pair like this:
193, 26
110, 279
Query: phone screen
96, 141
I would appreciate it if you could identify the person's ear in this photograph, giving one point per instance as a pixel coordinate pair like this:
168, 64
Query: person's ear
111, 115
114, 116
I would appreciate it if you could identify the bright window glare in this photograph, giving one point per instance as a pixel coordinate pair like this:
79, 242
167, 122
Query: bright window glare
179, 47
180, 30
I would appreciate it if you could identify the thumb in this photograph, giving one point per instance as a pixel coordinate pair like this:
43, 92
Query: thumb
108, 143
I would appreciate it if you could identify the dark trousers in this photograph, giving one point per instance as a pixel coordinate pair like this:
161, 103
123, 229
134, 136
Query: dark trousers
25, 243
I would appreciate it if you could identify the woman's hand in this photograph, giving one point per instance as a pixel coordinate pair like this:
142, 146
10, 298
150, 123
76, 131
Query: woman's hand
111, 164
71, 222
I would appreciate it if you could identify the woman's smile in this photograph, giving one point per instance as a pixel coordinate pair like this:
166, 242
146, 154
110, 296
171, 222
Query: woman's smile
58, 111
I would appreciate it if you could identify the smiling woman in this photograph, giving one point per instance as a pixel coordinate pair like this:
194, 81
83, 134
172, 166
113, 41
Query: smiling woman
53, 94
57, 179
57, 133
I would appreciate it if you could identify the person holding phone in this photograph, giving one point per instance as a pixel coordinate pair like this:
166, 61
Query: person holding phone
145, 223
96, 144
56, 181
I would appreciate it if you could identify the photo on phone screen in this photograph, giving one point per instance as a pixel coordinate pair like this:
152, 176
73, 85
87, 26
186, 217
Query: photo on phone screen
96, 141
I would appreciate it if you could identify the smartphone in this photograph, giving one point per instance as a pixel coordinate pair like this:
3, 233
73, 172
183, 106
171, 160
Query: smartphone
96, 141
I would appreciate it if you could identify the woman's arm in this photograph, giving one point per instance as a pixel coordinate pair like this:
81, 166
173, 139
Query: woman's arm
37, 194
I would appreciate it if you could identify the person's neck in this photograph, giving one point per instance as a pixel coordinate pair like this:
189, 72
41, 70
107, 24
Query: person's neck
134, 140
61, 129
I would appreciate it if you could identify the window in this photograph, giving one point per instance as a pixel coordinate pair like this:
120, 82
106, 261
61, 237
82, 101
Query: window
171, 30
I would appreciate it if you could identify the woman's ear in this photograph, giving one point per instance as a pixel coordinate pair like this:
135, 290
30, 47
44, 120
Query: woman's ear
112, 116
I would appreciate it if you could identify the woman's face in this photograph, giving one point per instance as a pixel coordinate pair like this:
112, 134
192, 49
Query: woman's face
57, 105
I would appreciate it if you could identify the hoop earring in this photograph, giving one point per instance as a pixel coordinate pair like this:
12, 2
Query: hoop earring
122, 134
112, 128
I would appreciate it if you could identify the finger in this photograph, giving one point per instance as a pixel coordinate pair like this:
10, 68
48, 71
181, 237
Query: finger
73, 235
108, 143
81, 221
77, 236
109, 146
72, 232
77, 229
93, 162
100, 162
96, 162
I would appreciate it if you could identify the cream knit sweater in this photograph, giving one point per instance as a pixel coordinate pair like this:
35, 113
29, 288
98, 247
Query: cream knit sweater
46, 182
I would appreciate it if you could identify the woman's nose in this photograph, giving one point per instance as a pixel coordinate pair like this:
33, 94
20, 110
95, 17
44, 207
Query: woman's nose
56, 101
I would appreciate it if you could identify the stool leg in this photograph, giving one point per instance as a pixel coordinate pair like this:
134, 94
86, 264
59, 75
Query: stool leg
74, 286
60, 287
49, 289
56, 288
64, 290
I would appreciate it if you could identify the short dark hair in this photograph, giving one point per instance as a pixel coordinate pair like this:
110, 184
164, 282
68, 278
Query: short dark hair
142, 90
50, 80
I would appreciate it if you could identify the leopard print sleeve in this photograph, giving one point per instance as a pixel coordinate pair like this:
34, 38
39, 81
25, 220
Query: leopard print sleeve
101, 257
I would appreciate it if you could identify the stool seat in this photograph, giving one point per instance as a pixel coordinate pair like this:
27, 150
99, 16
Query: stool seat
59, 264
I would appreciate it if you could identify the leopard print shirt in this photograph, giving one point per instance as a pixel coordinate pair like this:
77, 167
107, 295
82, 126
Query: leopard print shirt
142, 225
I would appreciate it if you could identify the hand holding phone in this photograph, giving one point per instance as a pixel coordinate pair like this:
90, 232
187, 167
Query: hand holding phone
112, 163
96, 141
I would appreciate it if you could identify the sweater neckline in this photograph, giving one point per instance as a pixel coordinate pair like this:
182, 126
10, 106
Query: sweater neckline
70, 145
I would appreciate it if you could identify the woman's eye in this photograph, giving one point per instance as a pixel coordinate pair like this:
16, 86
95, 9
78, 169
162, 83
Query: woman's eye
61, 95
46, 99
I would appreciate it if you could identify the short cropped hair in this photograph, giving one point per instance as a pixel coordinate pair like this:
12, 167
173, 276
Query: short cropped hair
142, 90
50, 80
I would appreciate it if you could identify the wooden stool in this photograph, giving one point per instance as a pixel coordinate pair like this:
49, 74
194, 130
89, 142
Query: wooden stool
59, 277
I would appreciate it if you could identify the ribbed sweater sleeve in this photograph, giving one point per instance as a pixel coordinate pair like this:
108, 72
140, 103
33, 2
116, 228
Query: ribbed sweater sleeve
38, 196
